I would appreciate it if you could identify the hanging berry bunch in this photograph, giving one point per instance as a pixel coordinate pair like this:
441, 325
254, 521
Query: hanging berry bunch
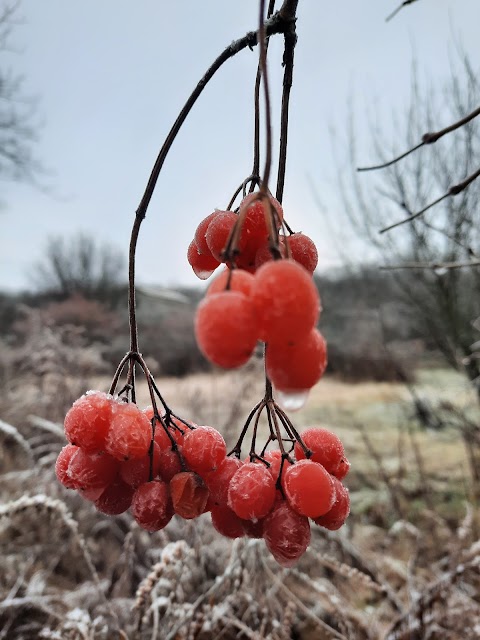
155, 463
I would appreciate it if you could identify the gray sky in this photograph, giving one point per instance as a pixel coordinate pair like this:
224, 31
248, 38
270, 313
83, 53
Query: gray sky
112, 75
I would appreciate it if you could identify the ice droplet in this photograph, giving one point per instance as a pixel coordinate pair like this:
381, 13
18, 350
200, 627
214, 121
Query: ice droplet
292, 400
203, 274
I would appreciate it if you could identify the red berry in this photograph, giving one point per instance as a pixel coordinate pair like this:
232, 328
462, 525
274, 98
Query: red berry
218, 481
286, 534
92, 470
130, 432
251, 493
286, 301
226, 522
61, 465
254, 529
303, 251
91, 494
264, 253
88, 421
115, 499
254, 228
202, 264
226, 329
218, 233
309, 488
342, 469
136, 471
327, 449
169, 463
236, 279
204, 449
337, 515
151, 505
275, 460
201, 231
189, 494
298, 364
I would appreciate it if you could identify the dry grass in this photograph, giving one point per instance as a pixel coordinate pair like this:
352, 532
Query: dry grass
405, 567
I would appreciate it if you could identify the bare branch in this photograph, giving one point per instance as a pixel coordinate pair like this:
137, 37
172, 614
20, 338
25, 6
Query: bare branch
398, 9
453, 191
432, 265
427, 138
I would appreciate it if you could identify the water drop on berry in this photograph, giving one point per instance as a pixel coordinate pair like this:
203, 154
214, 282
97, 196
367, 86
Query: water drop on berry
292, 400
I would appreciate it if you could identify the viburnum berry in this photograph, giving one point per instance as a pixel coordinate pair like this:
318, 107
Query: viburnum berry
189, 494
91, 494
218, 481
337, 515
88, 420
136, 471
61, 465
285, 300
251, 492
115, 499
236, 279
204, 449
274, 457
264, 253
130, 432
296, 365
201, 231
92, 470
169, 463
218, 233
342, 469
327, 449
286, 534
151, 505
203, 264
226, 522
254, 230
303, 251
254, 529
226, 328
309, 488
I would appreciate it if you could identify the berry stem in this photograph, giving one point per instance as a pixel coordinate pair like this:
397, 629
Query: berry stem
290, 40
262, 45
118, 373
253, 178
237, 449
290, 428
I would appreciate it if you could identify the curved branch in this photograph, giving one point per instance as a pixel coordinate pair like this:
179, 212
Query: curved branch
278, 23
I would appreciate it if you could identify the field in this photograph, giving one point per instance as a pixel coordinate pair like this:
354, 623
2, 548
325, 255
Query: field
405, 567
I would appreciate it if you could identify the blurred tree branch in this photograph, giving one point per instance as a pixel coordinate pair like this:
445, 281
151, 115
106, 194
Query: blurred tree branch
429, 261
398, 9
17, 128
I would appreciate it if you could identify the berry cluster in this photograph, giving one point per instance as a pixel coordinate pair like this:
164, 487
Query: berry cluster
257, 297
120, 458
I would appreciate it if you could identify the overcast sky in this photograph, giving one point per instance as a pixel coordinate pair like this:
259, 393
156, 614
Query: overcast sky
111, 75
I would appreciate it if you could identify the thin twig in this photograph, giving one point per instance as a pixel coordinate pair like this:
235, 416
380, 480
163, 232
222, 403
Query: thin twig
427, 138
398, 9
432, 265
453, 191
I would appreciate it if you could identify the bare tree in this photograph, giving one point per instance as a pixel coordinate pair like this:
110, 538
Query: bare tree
17, 127
444, 300
80, 266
